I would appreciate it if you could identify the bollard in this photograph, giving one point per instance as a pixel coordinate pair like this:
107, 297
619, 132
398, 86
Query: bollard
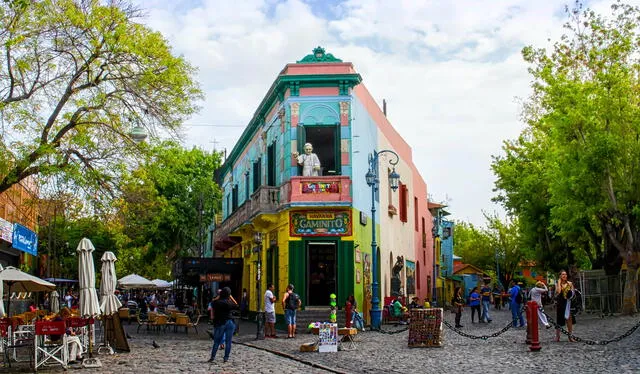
348, 310
527, 311
532, 311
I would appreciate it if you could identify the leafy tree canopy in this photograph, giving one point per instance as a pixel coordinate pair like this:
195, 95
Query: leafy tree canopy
75, 77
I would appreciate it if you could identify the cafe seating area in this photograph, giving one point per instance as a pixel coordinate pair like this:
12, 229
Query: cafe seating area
171, 320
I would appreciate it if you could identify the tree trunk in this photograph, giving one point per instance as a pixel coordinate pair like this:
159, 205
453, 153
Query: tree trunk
629, 301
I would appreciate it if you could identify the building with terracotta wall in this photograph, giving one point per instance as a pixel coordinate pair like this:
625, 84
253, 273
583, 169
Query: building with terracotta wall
315, 231
18, 205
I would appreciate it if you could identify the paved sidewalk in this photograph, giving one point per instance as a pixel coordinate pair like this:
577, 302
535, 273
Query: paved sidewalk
388, 353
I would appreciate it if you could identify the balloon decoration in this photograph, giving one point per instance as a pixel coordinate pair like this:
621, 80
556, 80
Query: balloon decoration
332, 303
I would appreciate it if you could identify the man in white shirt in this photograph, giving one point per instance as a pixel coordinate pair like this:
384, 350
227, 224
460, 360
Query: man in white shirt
536, 295
270, 312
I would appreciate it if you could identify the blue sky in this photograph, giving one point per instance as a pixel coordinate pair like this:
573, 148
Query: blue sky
451, 71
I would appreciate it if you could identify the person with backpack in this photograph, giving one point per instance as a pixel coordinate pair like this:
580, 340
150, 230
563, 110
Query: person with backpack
290, 303
516, 304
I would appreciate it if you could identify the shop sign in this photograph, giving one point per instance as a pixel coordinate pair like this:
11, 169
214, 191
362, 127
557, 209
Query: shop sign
6, 230
320, 223
25, 240
320, 187
215, 277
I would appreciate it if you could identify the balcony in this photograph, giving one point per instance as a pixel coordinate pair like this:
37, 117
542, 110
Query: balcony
265, 200
297, 191
317, 189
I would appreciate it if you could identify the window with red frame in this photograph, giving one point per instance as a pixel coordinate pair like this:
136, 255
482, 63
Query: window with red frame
404, 193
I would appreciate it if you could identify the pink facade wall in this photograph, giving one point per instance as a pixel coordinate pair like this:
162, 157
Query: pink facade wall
326, 68
319, 91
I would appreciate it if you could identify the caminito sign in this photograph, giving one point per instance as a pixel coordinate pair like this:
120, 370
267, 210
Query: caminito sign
320, 223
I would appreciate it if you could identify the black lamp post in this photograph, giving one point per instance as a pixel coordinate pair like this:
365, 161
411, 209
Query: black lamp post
373, 181
257, 239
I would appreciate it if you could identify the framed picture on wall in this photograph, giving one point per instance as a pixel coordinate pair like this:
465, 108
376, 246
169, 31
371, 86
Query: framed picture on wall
358, 256
358, 275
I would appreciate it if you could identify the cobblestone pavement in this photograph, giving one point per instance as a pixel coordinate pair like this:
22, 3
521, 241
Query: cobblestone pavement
388, 353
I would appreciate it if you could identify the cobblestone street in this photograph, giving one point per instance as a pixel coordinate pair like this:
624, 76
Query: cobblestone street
388, 353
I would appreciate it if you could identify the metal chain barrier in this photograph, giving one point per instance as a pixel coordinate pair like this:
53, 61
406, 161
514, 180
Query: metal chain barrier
391, 332
483, 337
589, 341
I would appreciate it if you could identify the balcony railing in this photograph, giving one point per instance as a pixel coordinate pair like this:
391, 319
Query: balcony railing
269, 199
265, 200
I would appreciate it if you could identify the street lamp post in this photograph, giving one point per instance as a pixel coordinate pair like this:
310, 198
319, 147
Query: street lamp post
257, 239
374, 181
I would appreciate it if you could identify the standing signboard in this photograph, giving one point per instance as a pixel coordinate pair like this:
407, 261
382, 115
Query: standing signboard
328, 337
425, 328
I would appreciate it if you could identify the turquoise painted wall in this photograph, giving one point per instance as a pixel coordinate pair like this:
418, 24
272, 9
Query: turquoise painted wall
364, 138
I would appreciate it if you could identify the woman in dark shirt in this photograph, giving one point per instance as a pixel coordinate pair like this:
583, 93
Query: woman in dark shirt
223, 323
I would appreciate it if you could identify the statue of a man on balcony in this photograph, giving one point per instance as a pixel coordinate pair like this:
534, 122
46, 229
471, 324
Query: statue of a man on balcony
309, 161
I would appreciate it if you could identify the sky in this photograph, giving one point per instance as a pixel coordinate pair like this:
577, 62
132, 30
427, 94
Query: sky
451, 71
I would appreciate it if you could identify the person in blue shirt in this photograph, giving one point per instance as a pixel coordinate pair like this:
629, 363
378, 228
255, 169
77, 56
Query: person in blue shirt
474, 303
485, 294
516, 305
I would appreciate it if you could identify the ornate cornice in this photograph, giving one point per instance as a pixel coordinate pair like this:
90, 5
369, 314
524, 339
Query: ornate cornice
318, 55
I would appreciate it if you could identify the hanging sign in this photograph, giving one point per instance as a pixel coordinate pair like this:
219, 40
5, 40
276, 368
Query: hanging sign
320, 223
25, 240
6, 230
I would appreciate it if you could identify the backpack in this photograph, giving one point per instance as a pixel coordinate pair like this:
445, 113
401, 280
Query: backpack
519, 297
292, 301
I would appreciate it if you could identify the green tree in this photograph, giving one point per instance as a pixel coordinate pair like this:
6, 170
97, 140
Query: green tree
75, 77
584, 114
168, 203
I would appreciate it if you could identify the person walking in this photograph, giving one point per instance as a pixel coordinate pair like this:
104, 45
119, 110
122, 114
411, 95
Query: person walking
486, 296
458, 304
290, 303
223, 323
270, 312
536, 295
516, 304
474, 303
564, 293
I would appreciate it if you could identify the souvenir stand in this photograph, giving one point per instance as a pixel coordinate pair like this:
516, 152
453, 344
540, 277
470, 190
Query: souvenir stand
425, 328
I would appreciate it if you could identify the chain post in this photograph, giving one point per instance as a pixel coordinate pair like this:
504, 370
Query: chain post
527, 311
532, 312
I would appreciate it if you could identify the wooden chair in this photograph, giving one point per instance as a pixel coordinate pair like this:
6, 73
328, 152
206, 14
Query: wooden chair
124, 314
160, 322
182, 320
194, 325
141, 322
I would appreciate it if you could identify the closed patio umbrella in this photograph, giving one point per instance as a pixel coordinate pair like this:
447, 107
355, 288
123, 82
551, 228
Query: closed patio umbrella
109, 302
87, 276
54, 302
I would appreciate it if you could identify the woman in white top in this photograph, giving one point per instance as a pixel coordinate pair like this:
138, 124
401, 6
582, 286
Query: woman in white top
536, 295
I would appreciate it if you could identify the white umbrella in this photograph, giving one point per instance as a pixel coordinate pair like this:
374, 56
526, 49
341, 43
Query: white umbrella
135, 281
87, 275
110, 302
161, 283
54, 302
18, 281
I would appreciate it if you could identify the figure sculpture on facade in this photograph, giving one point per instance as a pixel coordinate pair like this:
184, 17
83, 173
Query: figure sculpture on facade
396, 283
309, 161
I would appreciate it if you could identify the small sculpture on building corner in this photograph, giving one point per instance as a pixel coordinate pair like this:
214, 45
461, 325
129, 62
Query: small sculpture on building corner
309, 161
396, 283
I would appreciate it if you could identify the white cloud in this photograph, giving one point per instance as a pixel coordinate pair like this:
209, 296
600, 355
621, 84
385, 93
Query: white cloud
450, 71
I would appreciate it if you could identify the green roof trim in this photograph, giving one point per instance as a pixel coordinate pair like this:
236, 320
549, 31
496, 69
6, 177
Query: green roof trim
276, 93
318, 55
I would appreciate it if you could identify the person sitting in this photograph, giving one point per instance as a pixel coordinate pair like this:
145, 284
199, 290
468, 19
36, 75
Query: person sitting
399, 311
415, 303
73, 342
